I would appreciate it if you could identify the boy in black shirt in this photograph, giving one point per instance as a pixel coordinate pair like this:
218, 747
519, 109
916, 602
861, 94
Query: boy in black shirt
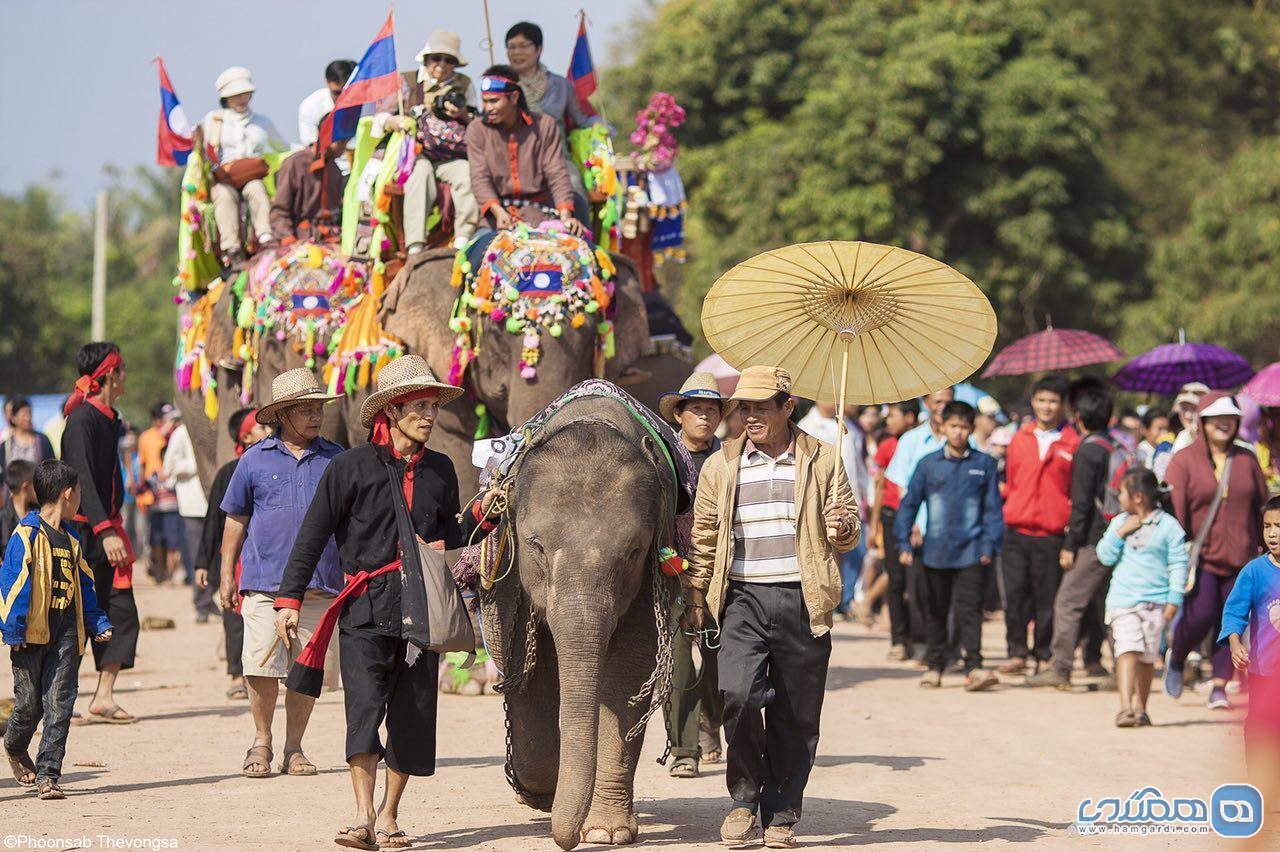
47, 606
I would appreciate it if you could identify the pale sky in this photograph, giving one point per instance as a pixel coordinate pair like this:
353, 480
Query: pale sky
80, 90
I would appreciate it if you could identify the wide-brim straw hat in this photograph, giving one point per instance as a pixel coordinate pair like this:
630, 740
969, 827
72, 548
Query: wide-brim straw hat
234, 81
442, 41
697, 386
404, 375
291, 388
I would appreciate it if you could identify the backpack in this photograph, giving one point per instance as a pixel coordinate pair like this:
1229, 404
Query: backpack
1118, 463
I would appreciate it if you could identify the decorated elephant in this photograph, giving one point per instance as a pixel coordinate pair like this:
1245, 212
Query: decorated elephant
576, 607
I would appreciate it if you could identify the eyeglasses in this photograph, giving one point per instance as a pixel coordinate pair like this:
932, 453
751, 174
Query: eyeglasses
520, 45
438, 58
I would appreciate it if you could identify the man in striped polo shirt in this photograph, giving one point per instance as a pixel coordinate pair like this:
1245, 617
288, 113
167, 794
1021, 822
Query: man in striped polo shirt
767, 535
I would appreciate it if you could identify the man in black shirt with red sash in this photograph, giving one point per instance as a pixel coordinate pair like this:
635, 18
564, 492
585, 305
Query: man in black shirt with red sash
354, 503
91, 445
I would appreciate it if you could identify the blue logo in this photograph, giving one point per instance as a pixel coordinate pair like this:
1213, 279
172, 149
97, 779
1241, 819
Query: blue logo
1236, 810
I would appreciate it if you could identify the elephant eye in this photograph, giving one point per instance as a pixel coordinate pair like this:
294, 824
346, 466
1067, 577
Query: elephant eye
537, 544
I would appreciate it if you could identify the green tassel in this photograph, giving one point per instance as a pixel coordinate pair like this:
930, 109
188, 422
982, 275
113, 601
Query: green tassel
482, 425
349, 386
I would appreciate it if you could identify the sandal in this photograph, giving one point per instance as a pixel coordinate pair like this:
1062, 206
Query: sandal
238, 691
24, 771
253, 757
980, 680
684, 767
1126, 719
49, 789
115, 715
931, 679
394, 839
355, 837
296, 763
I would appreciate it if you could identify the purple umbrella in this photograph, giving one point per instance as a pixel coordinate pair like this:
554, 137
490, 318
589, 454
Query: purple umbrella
1167, 368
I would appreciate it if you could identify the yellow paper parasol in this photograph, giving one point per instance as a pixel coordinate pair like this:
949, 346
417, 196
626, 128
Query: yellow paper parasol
890, 323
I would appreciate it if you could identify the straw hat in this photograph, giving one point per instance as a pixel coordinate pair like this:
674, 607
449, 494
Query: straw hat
758, 384
234, 81
290, 388
697, 386
442, 41
404, 375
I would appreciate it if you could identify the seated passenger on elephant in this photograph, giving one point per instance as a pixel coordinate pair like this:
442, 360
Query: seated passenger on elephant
443, 102
308, 202
530, 184
239, 137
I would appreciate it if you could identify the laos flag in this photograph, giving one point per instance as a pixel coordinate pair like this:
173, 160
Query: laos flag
375, 78
582, 72
173, 135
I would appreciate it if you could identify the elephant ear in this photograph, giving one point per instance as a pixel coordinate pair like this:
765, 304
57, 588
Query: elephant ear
499, 614
631, 327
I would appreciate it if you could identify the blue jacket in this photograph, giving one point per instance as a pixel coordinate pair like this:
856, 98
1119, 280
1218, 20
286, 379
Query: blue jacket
1254, 606
26, 580
966, 518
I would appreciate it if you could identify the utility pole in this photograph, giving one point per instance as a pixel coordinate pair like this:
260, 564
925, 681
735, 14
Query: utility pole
98, 329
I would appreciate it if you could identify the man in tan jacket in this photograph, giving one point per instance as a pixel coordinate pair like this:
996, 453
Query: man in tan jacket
767, 534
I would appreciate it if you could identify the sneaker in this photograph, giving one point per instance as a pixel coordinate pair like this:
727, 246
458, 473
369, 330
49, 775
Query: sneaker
779, 837
1015, 666
1050, 677
1172, 678
739, 826
1218, 699
416, 248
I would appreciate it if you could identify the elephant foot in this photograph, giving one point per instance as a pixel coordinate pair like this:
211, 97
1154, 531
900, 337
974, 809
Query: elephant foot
537, 802
610, 827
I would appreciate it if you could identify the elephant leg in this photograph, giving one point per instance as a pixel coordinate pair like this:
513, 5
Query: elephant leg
628, 665
535, 727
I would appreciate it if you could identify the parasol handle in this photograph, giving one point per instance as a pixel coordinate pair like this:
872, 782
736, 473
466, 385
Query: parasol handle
841, 396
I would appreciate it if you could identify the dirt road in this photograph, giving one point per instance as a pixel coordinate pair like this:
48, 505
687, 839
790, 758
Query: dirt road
896, 766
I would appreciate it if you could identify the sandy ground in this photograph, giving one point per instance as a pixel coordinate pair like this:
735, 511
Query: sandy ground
896, 765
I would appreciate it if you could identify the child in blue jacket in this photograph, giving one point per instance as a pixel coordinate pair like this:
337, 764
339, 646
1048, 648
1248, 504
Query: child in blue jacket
965, 528
47, 610
1147, 551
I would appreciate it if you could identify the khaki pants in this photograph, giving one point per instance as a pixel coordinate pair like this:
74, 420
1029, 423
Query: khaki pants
226, 212
265, 656
420, 195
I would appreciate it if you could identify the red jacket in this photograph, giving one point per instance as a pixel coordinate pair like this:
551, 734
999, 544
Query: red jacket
1038, 491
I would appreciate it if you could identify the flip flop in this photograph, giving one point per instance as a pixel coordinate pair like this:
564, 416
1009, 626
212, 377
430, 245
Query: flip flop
391, 837
253, 756
25, 765
238, 692
296, 763
348, 837
111, 717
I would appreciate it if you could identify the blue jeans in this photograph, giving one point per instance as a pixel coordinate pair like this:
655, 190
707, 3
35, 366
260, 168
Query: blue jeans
45, 684
850, 569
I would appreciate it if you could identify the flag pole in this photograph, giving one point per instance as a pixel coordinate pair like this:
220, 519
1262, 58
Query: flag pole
582, 22
488, 32
399, 84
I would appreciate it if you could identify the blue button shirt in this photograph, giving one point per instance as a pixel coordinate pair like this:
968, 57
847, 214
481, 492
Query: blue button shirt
274, 489
912, 447
966, 519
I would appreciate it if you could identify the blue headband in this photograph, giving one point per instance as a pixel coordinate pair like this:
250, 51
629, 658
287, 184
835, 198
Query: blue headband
498, 85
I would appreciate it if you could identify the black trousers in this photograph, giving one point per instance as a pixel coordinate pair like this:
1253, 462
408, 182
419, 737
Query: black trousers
1032, 574
118, 604
773, 673
896, 597
379, 684
959, 589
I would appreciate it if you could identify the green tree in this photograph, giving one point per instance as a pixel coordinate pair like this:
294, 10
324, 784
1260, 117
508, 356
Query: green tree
967, 130
1217, 277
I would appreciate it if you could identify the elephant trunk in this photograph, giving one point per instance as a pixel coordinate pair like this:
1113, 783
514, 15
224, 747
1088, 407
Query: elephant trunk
584, 628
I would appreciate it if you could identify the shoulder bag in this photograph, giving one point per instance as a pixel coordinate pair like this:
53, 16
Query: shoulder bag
1193, 549
427, 587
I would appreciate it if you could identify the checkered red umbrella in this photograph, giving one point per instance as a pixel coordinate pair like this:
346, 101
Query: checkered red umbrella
1052, 349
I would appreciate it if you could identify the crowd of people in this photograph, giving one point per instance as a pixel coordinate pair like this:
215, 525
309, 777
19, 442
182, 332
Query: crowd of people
495, 148
1086, 526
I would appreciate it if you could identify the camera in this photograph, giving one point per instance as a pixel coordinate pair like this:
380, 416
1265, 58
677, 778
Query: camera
454, 97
